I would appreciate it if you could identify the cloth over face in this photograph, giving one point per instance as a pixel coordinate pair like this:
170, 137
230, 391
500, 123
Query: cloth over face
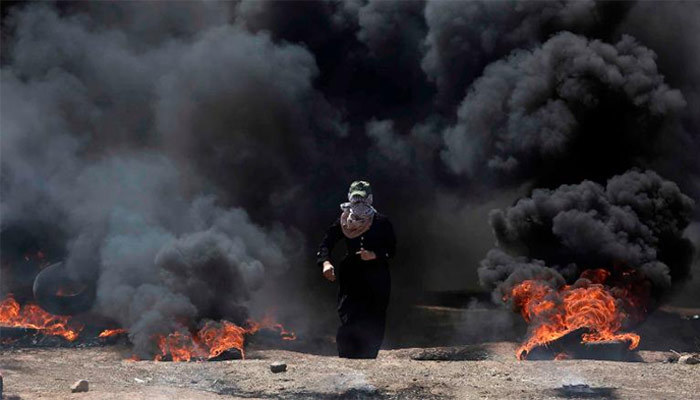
358, 213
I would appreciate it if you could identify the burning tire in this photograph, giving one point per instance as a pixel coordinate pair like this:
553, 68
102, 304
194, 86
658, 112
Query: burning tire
58, 294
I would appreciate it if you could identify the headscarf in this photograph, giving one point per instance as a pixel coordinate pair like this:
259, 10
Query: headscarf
357, 215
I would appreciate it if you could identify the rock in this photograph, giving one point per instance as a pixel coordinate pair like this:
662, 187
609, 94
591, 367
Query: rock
689, 359
278, 367
80, 386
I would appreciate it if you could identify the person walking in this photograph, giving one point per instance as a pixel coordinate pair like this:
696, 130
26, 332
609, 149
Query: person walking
364, 282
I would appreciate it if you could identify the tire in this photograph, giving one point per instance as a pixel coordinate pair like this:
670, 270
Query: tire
48, 284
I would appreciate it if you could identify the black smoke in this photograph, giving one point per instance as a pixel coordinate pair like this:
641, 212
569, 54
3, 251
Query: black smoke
543, 113
127, 149
636, 221
161, 149
463, 38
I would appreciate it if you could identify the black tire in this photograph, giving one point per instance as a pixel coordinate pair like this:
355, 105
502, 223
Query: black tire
48, 284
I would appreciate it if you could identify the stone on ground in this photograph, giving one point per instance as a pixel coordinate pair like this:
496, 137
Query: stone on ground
80, 386
689, 359
278, 366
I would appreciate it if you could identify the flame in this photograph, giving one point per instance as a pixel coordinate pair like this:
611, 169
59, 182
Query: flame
111, 332
587, 304
268, 322
213, 339
33, 317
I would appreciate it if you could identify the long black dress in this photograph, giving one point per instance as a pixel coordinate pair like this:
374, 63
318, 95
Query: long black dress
364, 287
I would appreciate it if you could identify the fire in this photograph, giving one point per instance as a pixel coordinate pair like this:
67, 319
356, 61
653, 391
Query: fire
213, 339
587, 304
33, 317
269, 323
111, 332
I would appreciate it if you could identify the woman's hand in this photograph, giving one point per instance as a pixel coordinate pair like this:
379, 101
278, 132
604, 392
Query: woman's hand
328, 271
366, 255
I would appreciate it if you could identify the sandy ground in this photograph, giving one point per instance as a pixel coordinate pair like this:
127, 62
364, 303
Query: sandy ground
487, 371
48, 374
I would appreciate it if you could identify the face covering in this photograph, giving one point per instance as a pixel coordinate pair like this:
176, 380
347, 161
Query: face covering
357, 215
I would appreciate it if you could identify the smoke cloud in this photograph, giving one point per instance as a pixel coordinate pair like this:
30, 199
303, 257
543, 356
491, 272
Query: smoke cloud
535, 109
186, 158
115, 144
636, 221
464, 37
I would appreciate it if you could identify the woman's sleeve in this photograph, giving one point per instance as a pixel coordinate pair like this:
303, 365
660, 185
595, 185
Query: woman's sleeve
333, 234
388, 248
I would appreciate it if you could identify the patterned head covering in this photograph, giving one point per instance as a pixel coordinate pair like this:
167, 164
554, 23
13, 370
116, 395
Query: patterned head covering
357, 213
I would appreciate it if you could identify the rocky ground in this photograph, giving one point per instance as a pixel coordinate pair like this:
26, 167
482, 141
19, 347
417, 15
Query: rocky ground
49, 373
476, 371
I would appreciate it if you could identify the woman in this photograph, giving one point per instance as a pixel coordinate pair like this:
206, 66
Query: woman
363, 275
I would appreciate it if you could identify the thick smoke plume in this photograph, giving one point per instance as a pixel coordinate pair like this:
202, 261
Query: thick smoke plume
100, 138
536, 109
636, 221
463, 38
186, 157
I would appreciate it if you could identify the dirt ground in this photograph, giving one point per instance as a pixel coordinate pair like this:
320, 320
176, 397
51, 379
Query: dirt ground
486, 371
48, 374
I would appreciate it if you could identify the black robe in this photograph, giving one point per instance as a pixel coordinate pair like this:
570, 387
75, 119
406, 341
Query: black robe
363, 286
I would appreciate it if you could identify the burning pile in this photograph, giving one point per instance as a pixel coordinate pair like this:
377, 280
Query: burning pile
213, 339
210, 341
621, 245
588, 304
33, 317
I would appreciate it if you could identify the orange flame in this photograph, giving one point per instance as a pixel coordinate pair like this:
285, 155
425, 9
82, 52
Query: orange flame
213, 339
33, 317
111, 332
268, 322
555, 313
